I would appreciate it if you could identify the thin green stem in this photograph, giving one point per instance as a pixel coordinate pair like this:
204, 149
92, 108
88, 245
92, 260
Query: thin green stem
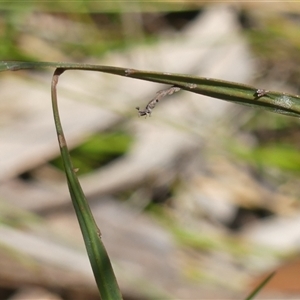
100, 262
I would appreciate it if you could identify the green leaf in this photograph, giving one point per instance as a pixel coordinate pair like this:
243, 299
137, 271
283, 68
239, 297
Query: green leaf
260, 286
102, 269
273, 155
277, 102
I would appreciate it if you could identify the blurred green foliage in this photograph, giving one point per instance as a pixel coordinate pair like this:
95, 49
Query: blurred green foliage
97, 151
275, 143
277, 155
116, 6
275, 41
78, 30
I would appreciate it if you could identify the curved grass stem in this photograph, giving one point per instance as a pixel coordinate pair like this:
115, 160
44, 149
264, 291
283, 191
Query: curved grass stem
100, 262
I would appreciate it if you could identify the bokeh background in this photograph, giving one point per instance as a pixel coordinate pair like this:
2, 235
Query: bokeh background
200, 201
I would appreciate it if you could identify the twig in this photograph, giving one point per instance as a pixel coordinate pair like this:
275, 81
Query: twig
159, 95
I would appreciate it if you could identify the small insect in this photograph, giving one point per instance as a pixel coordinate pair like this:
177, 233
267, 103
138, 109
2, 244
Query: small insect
260, 92
159, 95
148, 109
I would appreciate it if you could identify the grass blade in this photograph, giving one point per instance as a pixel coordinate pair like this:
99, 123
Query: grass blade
260, 286
103, 272
277, 102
